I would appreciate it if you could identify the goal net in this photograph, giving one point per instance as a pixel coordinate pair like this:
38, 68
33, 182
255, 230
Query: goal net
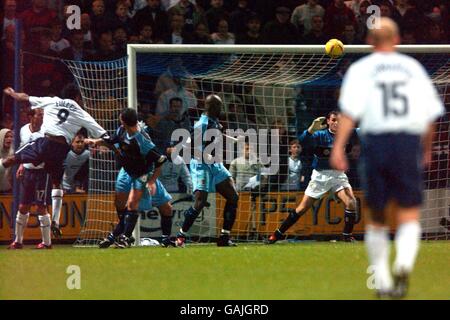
263, 88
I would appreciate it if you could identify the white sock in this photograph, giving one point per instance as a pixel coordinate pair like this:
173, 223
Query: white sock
21, 224
45, 223
57, 195
407, 241
377, 244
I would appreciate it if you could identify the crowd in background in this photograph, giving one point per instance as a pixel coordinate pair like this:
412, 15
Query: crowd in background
107, 26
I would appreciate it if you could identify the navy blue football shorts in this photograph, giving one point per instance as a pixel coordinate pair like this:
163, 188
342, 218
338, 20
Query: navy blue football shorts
35, 187
50, 152
391, 169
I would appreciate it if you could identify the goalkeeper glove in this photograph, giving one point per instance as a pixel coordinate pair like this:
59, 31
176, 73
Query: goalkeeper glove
316, 125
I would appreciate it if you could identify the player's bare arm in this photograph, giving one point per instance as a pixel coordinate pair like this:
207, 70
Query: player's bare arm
19, 96
338, 159
427, 143
317, 124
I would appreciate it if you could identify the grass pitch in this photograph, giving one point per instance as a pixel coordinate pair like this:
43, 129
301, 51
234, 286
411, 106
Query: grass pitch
283, 271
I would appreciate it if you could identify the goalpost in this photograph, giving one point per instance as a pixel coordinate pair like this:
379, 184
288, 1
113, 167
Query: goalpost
263, 87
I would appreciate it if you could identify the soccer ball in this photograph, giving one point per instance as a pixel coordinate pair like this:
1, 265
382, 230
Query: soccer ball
334, 48
148, 242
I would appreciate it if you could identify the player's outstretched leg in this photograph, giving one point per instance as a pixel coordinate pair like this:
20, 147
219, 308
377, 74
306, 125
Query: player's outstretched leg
407, 241
190, 215
227, 189
292, 218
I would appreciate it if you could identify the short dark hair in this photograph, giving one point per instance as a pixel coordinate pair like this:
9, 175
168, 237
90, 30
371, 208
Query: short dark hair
175, 99
334, 112
129, 117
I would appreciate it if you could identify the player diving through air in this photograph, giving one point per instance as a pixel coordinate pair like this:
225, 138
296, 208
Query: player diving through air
208, 178
63, 118
324, 179
136, 180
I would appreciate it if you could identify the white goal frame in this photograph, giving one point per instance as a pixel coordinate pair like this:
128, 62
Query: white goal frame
133, 49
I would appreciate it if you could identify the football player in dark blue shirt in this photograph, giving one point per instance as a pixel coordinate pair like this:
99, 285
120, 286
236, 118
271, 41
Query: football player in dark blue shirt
320, 138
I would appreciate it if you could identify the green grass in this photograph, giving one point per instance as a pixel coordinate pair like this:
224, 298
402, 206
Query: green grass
283, 271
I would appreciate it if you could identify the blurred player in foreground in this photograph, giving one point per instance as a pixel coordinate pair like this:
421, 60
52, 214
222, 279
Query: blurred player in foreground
396, 104
324, 179
63, 118
137, 155
208, 178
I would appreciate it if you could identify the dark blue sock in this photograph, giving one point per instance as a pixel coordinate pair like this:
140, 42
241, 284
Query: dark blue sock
166, 225
349, 219
118, 230
291, 219
189, 217
131, 218
229, 215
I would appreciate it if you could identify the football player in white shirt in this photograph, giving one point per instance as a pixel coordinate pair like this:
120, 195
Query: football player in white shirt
396, 104
63, 118
34, 187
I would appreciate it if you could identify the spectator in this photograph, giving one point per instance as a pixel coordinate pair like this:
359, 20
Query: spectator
178, 90
146, 35
201, 34
105, 48
9, 17
316, 35
435, 34
361, 21
349, 35
43, 75
75, 179
120, 39
6, 150
35, 20
409, 37
252, 34
216, 13
173, 171
58, 43
222, 36
177, 33
337, 16
280, 30
176, 118
239, 17
295, 167
191, 13
85, 22
389, 11
243, 168
120, 19
76, 51
302, 17
153, 15
100, 22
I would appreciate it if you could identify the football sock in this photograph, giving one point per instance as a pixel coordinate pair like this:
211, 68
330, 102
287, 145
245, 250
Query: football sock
189, 217
131, 218
45, 223
377, 245
57, 195
119, 229
166, 225
349, 220
21, 224
291, 219
407, 240
229, 215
